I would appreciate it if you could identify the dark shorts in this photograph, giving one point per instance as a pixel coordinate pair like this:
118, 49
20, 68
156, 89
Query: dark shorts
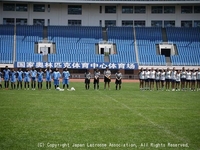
168, 80
162, 81
198, 80
183, 79
157, 80
96, 81
146, 80
152, 80
107, 80
177, 82
188, 80
87, 81
172, 80
118, 81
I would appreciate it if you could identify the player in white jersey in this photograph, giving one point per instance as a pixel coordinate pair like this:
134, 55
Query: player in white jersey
188, 79
198, 79
152, 76
167, 79
141, 78
146, 77
173, 79
162, 79
183, 78
157, 79
178, 80
193, 79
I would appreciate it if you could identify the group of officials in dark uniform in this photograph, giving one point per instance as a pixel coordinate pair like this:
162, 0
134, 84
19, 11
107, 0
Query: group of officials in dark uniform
107, 79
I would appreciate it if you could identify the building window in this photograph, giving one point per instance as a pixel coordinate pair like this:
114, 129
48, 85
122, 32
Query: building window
186, 9
197, 23
127, 9
100, 9
100, 23
21, 7
74, 22
186, 23
40, 22
139, 23
8, 7
169, 9
110, 9
169, 23
74, 9
21, 21
39, 8
196, 9
8, 21
156, 9
110, 23
127, 23
49, 8
156, 23
140, 9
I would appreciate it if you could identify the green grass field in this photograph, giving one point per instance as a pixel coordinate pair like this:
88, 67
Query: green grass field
104, 119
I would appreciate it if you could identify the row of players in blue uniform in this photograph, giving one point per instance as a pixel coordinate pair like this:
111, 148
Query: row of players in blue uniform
187, 79
32, 76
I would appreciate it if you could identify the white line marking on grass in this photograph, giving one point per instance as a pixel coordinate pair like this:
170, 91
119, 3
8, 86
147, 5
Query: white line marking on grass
167, 131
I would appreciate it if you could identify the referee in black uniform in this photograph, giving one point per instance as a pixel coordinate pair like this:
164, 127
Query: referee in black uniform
118, 80
96, 79
107, 78
87, 80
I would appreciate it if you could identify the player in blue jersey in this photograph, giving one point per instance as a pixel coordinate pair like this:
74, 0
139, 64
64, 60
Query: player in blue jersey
19, 78
26, 79
33, 73
56, 77
6, 75
0, 79
65, 76
13, 78
40, 78
48, 78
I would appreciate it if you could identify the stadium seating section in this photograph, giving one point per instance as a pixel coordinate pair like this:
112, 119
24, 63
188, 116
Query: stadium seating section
26, 36
124, 40
77, 44
6, 43
147, 38
187, 41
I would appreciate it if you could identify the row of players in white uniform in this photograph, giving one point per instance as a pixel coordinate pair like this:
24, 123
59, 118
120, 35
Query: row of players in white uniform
179, 79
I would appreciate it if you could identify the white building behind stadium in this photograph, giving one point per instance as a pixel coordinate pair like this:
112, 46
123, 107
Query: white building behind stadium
135, 33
